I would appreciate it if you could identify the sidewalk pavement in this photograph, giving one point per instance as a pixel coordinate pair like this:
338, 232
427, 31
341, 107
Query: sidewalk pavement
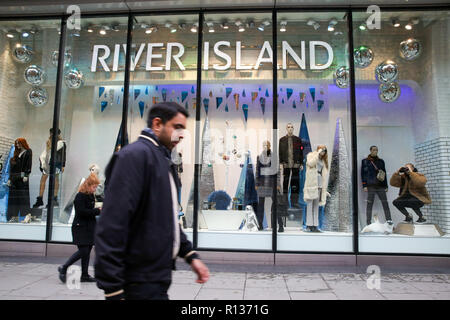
26, 278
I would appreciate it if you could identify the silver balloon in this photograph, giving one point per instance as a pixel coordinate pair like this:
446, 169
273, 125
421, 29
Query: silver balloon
410, 49
37, 96
67, 57
23, 54
73, 78
35, 75
363, 57
386, 71
389, 92
342, 77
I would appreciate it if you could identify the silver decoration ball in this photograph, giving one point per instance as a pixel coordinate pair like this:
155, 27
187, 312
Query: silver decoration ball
410, 49
386, 71
23, 54
363, 57
67, 57
73, 78
37, 96
389, 92
342, 77
35, 75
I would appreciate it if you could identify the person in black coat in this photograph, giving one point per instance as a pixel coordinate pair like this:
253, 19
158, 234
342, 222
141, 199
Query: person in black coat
138, 236
370, 168
83, 228
19, 190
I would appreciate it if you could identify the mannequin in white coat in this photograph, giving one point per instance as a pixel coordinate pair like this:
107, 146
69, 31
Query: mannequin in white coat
316, 183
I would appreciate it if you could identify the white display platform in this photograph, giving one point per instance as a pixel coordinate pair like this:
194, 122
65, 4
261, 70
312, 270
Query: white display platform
223, 220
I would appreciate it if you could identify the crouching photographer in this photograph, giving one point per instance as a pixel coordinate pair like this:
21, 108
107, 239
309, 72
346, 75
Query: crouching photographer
413, 193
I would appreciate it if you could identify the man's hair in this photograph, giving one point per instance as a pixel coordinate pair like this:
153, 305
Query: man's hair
414, 167
165, 111
373, 147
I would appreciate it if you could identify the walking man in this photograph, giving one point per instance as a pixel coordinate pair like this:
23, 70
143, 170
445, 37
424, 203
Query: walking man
138, 235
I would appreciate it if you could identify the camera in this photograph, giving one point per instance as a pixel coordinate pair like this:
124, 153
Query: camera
403, 169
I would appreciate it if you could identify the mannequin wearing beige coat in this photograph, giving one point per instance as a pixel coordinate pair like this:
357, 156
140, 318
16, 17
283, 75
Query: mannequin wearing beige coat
316, 184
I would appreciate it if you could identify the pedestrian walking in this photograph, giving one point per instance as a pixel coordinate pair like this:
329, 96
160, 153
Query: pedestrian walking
138, 236
83, 228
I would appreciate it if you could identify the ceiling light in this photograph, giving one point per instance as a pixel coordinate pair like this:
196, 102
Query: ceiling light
331, 25
25, 34
362, 27
330, 28
90, 29
115, 27
9, 34
395, 22
148, 31
102, 31
224, 25
283, 24
251, 24
169, 26
263, 24
408, 27
210, 24
415, 20
182, 26
240, 26
194, 27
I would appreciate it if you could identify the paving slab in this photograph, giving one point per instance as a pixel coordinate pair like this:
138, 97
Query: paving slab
274, 293
219, 294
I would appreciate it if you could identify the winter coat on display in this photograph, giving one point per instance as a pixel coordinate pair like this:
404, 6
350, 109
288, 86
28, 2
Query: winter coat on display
265, 179
369, 172
414, 184
135, 233
60, 158
283, 152
21, 167
311, 189
83, 226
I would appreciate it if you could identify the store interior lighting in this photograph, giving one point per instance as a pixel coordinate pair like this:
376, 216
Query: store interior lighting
314, 24
331, 25
194, 27
224, 25
238, 23
395, 22
283, 25
210, 25
263, 24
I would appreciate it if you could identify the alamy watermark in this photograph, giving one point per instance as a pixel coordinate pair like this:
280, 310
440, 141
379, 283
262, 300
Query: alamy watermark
374, 280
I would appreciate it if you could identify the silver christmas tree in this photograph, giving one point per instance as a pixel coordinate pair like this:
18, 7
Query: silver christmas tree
338, 209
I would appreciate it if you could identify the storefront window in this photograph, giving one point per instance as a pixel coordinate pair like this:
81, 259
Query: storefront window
27, 86
91, 111
314, 133
164, 69
402, 95
236, 120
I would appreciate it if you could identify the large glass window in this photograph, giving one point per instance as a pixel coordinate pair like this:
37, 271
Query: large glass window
27, 90
402, 105
164, 69
236, 121
91, 111
314, 133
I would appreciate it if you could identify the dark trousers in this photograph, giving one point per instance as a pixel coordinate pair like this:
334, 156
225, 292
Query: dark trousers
83, 253
408, 201
18, 200
260, 213
147, 291
381, 192
295, 184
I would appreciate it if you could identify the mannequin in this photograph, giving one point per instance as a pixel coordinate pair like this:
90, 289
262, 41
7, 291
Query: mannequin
291, 160
373, 185
19, 190
265, 180
45, 167
316, 184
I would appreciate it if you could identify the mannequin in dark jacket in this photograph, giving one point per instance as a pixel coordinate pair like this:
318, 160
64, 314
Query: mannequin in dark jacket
291, 160
83, 228
369, 171
19, 190
138, 235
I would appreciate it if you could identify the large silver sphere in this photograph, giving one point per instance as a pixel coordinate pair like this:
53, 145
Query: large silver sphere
342, 77
386, 71
363, 57
23, 54
35, 75
73, 78
67, 57
37, 96
410, 49
389, 92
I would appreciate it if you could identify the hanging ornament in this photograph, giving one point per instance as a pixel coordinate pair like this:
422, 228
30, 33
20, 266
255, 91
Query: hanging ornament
226, 108
164, 94
23, 54
210, 94
218, 102
141, 108
155, 100
192, 90
312, 90
184, 95
194, 103
206, 104
341, 77
111, 96
363, 56
245, 109
410, 49
73, 78
282, 101
289, 92
236, 100
37, 97
228, 91
389, 92
103, 105
35, 75
294, 105
146, 91
254, 96
137, 92
267, 93
101, 90
243, 93
262, 102
320, 104
386, 71
156, 88
302, 96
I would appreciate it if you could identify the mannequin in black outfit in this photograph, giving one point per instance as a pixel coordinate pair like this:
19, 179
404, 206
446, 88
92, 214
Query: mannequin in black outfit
19, 191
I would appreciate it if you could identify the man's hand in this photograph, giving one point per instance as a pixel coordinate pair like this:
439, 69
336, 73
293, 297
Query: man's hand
201, 270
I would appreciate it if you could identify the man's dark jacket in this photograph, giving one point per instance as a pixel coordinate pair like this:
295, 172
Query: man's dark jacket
369, 173
135, 232
283, 151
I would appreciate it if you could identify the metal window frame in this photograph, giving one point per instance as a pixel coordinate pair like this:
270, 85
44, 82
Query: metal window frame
201, 12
